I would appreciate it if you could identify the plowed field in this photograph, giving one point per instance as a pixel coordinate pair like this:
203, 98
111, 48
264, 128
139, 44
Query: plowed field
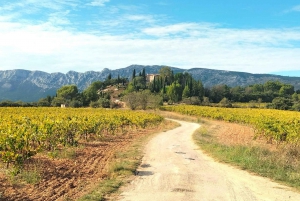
69, 178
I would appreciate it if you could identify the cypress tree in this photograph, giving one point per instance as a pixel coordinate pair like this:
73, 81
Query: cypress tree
109, 76
144, 75
154, 84
133, 74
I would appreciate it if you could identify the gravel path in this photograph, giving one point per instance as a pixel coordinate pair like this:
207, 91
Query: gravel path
174, 169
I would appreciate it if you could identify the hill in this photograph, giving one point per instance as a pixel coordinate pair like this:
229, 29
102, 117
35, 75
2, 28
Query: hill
30, 86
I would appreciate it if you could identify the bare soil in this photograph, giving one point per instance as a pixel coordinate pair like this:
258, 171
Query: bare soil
69, 179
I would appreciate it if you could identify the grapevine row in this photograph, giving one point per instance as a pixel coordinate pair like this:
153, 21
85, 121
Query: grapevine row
26, 131
275, 125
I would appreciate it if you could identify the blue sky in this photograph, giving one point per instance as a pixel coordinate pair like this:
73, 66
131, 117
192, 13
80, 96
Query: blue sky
62, 35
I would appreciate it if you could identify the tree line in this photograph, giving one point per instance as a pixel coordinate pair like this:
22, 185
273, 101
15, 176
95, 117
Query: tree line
278, 95
182, 88
140, 92
70, 95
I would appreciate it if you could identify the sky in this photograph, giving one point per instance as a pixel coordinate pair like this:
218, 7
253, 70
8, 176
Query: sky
90, 35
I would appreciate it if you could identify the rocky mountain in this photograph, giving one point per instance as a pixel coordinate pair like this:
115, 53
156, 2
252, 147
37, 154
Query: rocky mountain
30, 86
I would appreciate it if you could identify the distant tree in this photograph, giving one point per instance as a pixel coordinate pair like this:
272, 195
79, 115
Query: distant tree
186, 92
118, 79
143, 98
139, 83
197, 89
109, 76
95, 104
133, 74
238, 94
273, 86
286, 90
174, 92
295, 97
43, 102
167, 74
144, 73
67, 92
205, 101
281, 103
296, 106
225, 103
75, 104
130, 88
91, 93
132, 100
257, 88
104, 102
218, 92
57, 101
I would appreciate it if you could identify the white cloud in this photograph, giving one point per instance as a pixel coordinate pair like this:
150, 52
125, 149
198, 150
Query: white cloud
128, 24
98, 2
33, 6
5, 18
170, 29
48, 48
293, 9
225, 36
296, 8
161, 3
59, 18
144, 18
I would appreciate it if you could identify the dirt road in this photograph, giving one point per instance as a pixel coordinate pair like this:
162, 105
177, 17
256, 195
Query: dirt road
174, 169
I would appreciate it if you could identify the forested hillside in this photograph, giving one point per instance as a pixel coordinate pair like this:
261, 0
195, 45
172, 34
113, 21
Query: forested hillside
28, 86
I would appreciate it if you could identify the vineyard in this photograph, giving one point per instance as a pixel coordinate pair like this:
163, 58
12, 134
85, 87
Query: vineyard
275, 125
24, 132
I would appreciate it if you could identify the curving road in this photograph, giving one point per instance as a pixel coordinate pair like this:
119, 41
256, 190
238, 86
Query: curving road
174, 169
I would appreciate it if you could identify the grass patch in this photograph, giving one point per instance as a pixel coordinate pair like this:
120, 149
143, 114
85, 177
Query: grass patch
65, 153
29, 176
99, 193
278, 165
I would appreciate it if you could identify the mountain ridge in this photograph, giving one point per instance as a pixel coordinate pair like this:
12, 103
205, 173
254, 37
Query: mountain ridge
28, 86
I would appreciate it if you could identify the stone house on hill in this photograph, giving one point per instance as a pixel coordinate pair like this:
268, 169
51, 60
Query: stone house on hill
150, 77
